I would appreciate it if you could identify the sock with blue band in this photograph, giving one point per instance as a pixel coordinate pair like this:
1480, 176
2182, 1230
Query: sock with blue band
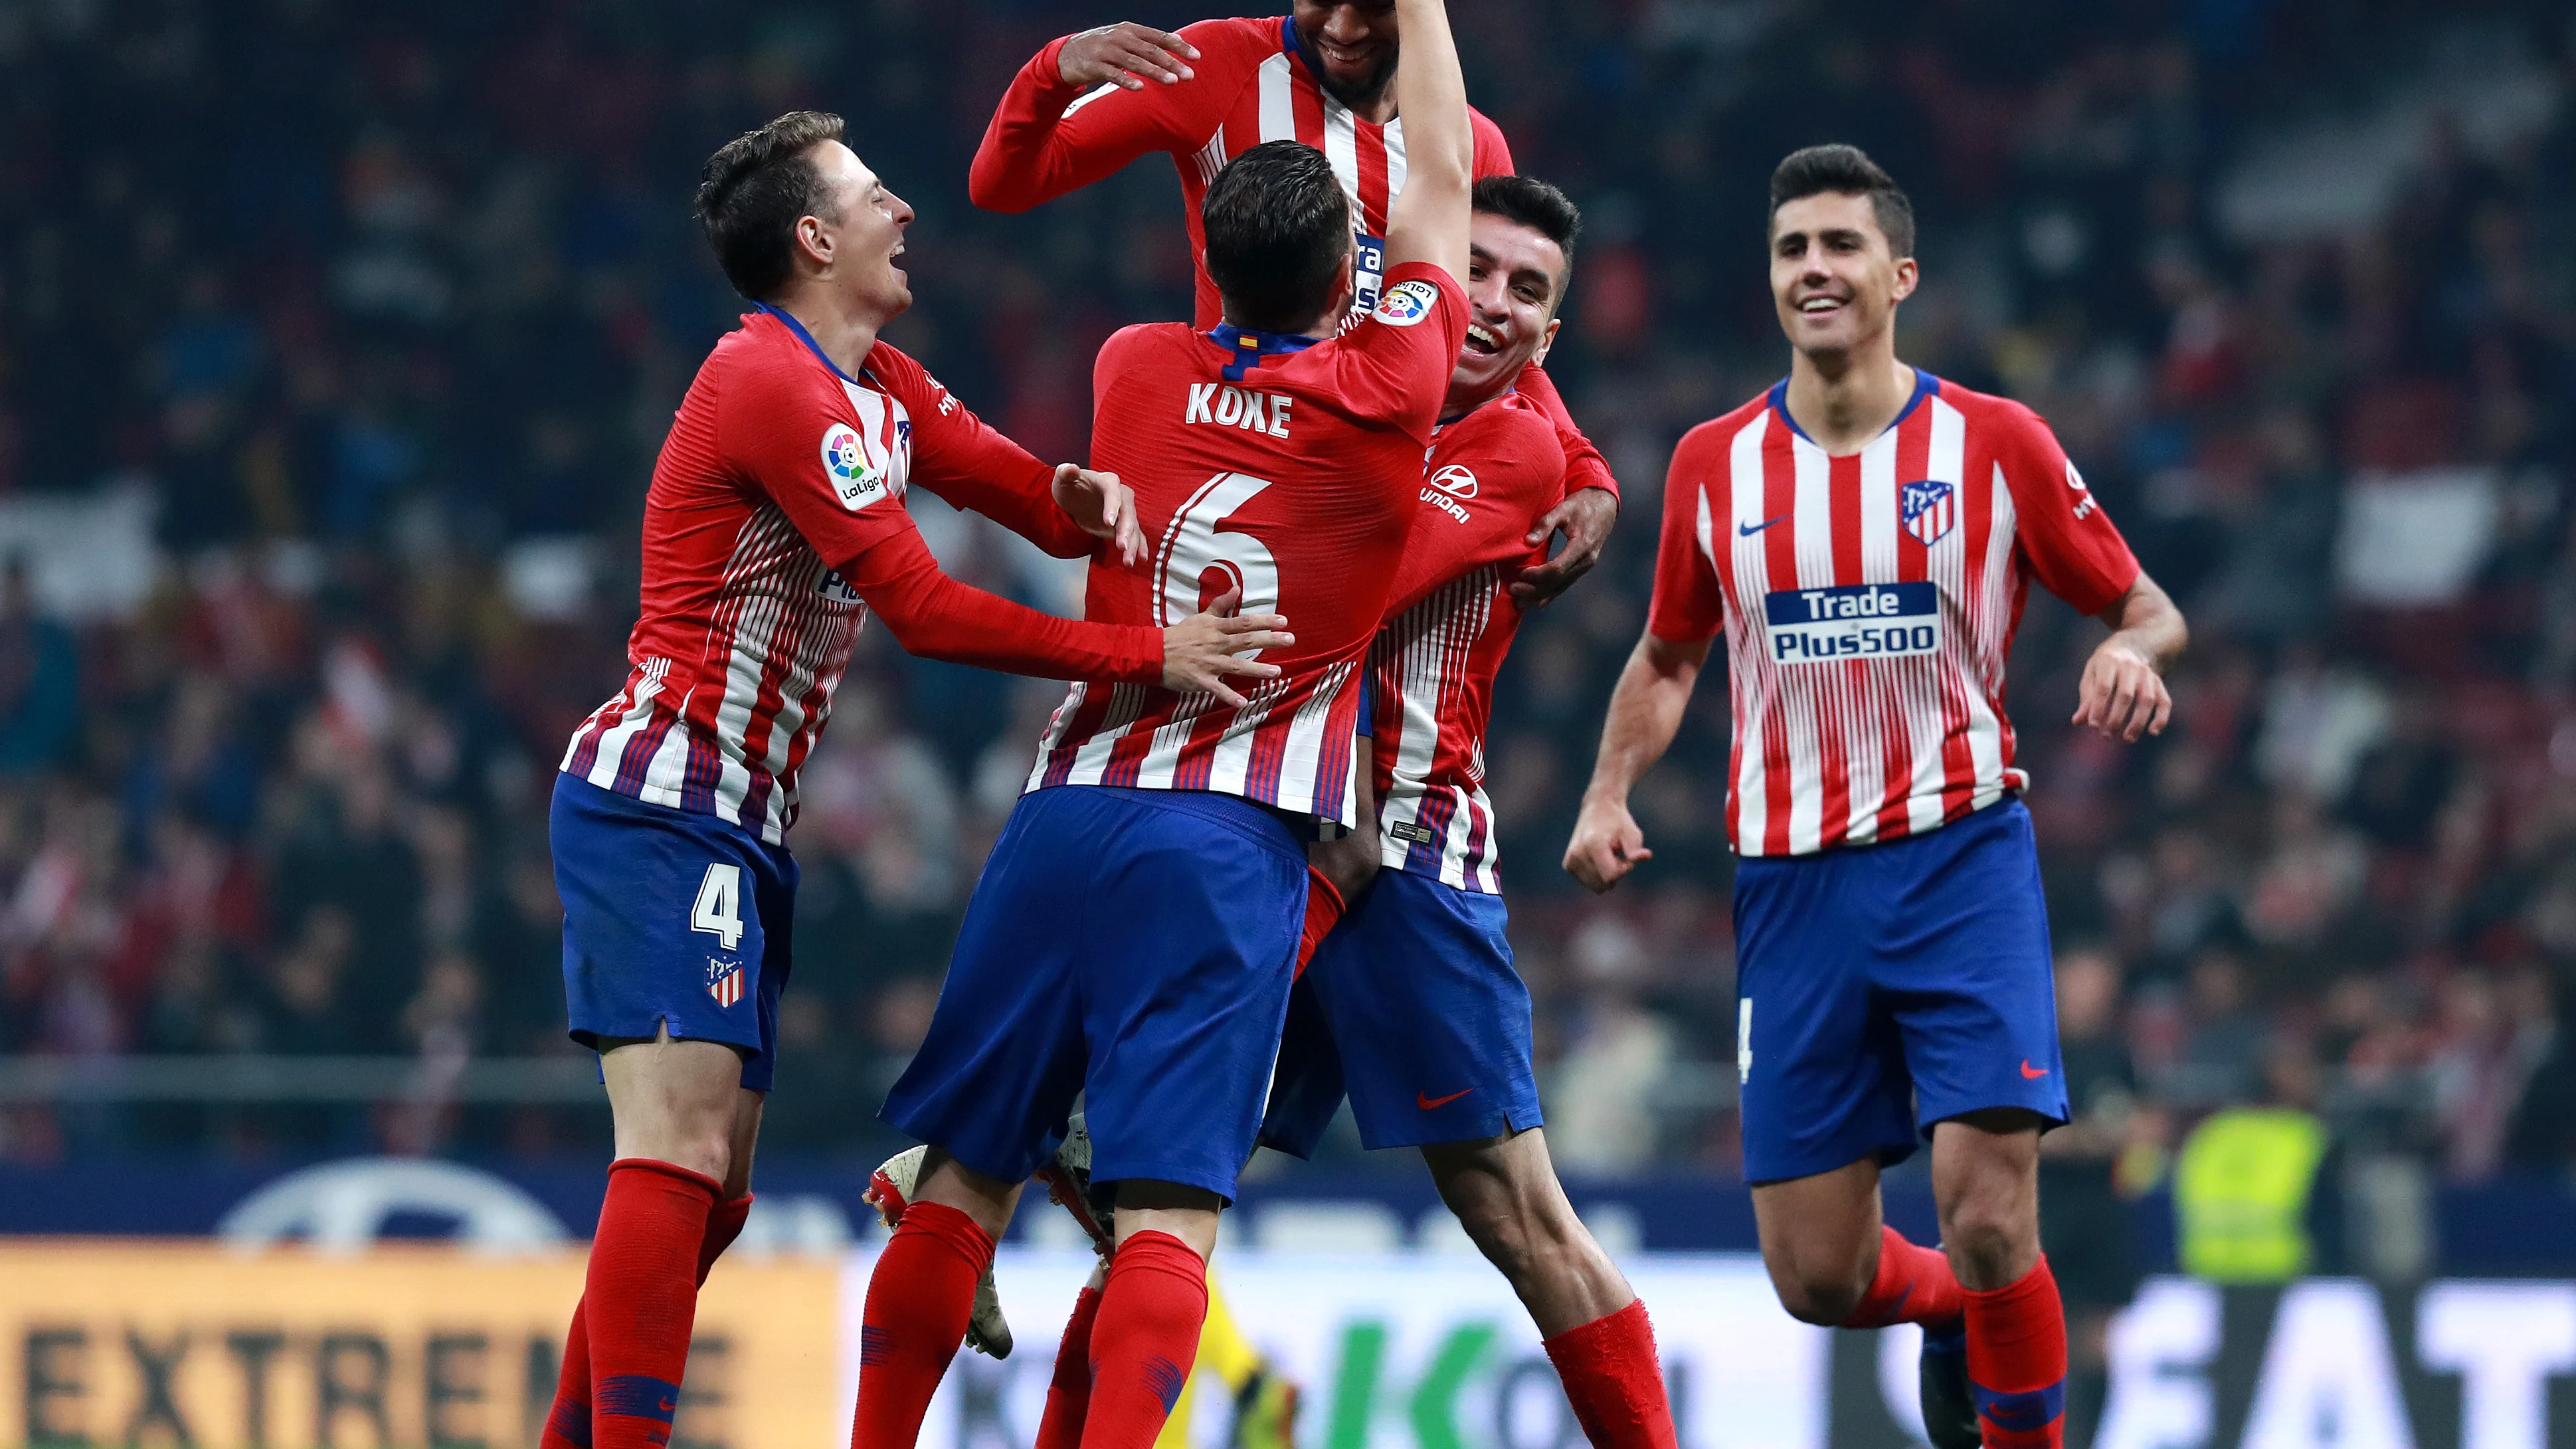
2017, 1361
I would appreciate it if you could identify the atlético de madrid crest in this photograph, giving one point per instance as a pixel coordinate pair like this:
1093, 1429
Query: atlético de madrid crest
1929, 510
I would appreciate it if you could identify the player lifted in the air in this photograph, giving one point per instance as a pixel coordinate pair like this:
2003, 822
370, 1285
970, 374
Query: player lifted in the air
1133, 935
1324, 74
1864, 535
1412, 1005
774, 524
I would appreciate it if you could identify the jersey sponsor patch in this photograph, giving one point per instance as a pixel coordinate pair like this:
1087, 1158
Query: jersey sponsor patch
855, 481
1857, 621
1406, 830
1455, 481
836, 588
1929, 509
1368, 272
1407, 303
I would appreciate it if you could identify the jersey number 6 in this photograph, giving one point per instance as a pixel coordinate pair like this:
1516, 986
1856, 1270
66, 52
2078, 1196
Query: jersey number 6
1197, 563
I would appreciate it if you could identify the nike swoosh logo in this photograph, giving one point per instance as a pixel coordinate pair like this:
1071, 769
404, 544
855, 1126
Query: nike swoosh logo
1426, 1102
1747, 530
2030, 1073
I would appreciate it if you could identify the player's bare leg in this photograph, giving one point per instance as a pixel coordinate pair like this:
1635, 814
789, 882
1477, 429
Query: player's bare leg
1506, 1195
678, 1194
1834, 1261
922, 1295
1985, 1180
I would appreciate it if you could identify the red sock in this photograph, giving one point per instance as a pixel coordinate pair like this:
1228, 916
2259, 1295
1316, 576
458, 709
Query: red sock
919, 1298
1324, 907
2017, 1362
640, 1298
1914, 1285
1069, 1392
568, 1423
724, 1224
1614, 1380
1144, 1339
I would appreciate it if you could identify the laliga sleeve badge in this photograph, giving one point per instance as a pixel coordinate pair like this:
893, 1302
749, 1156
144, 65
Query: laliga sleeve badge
856, 481
1407, 303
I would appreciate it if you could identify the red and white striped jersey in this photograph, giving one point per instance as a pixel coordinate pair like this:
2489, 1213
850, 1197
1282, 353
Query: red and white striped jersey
778, 472
1283, 466
1252, 83
1869, 602
1492, 474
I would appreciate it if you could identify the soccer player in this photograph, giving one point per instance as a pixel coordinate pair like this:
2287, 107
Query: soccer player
1086, 105
1133, 936
1412, 1005
1865, 533
775, 522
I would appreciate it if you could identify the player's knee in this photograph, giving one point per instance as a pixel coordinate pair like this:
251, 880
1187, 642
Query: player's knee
1985, 1233
1824, 1294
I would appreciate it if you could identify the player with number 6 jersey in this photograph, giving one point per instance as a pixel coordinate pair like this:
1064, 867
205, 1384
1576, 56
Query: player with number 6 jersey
1133, 937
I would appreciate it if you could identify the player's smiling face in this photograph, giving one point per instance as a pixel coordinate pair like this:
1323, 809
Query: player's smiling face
1515, 278
1833, 278
1355, 42
858, 231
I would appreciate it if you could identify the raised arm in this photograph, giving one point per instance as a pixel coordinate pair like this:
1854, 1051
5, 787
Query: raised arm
1057, 130
1428, 220
1645, 713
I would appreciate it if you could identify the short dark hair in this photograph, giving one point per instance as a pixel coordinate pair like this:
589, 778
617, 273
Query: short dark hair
1846, 171
1535, 204
1278, 235
754, 190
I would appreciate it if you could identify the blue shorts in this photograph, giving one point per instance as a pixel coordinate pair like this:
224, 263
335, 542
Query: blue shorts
671, 916
1411, 1005
1880, 989
1134, 946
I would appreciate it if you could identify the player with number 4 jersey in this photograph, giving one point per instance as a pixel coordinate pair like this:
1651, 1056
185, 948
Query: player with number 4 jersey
1133, 937
774, 525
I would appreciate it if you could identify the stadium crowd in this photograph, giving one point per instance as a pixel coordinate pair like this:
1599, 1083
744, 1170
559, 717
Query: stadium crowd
384, 312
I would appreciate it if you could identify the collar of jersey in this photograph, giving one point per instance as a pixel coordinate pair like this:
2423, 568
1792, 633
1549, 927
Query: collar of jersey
1251, 349
1489, 402
807, 338
1925, 385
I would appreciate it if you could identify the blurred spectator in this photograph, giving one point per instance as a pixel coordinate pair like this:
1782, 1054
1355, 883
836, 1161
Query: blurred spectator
2083, 1193
39, 679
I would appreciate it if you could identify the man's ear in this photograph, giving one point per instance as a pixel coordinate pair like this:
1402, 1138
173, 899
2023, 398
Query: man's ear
1908, 276
1547, 339
815, 242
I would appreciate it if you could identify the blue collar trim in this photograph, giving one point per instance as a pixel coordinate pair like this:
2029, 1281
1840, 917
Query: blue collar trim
807, 338
1925, 385
1251, 349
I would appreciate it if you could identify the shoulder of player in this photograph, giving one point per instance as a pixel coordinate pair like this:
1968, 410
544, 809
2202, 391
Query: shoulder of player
1146, 341
2001, 424
763, 365
1717, 435
1232, 43
1509, 427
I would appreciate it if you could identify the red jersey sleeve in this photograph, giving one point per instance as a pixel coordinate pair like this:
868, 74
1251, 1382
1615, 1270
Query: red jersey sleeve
2067, 541
1047, 138
936, 617
1392, 367
781, 427
1479, 499
1689, 603
1584, 465
1493, 154
956, 455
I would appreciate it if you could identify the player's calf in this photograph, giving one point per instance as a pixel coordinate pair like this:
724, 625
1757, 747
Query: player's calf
1506, 1195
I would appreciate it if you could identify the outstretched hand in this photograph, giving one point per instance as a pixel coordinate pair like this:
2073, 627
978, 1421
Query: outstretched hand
1204, 650
1584, 518
1103, 507
1126, 54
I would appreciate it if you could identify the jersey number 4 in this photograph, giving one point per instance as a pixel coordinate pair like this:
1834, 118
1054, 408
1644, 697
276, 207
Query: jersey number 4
1197, 562
719, 908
